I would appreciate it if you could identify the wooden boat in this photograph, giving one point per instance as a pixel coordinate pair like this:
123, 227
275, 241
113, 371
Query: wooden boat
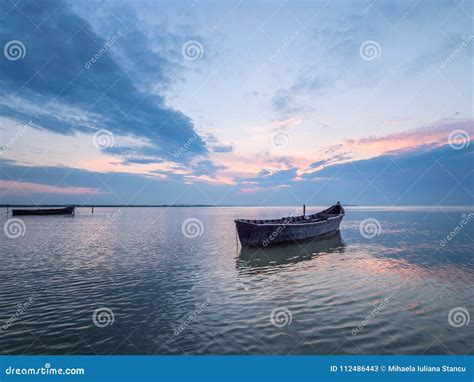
45, 211
262, 233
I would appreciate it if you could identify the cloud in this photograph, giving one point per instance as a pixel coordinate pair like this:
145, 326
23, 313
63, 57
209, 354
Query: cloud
285, 103
267, 178
419, 139
223, 149
58, 87
108, 187
206, 167
332, 66
434, 176
141, 161
215, 145
433, 135
333, 159
437, 176
10, 187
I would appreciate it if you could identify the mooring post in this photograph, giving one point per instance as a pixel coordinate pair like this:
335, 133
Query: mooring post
92, 210
304, 209
7, 208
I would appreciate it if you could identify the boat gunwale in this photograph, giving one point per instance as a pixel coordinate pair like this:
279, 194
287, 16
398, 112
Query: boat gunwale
308, 222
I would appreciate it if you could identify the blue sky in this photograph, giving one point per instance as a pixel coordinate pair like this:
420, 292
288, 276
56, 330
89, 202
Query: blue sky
236, 102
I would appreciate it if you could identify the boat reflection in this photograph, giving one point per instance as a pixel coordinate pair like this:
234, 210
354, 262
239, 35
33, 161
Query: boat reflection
262, 258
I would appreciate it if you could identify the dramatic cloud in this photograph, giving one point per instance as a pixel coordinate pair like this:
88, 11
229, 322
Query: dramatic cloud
439, 176
102, 104
71, 80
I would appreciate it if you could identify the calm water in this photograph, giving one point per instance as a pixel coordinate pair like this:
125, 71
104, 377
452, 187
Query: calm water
156, 291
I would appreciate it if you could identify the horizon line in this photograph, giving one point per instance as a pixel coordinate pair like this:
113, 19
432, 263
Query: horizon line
184, 205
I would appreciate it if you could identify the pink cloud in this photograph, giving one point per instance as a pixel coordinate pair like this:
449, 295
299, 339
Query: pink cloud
10, 187
435, 135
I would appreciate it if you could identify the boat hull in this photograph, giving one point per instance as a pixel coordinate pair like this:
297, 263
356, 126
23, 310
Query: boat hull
266, 233
45, 211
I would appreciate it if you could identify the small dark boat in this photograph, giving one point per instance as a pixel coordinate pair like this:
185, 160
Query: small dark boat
45, 211
262, 233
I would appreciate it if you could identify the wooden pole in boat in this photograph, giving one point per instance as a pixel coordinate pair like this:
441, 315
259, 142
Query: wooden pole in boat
304, 209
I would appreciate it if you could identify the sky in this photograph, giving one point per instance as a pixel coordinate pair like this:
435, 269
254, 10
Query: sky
236, 102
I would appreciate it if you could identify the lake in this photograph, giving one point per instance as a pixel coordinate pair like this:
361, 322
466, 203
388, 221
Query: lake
174, 281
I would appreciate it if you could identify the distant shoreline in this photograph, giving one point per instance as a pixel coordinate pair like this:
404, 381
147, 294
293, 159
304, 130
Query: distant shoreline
205, 205
114, 205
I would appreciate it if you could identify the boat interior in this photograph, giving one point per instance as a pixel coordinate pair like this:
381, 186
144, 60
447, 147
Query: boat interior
333, 211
